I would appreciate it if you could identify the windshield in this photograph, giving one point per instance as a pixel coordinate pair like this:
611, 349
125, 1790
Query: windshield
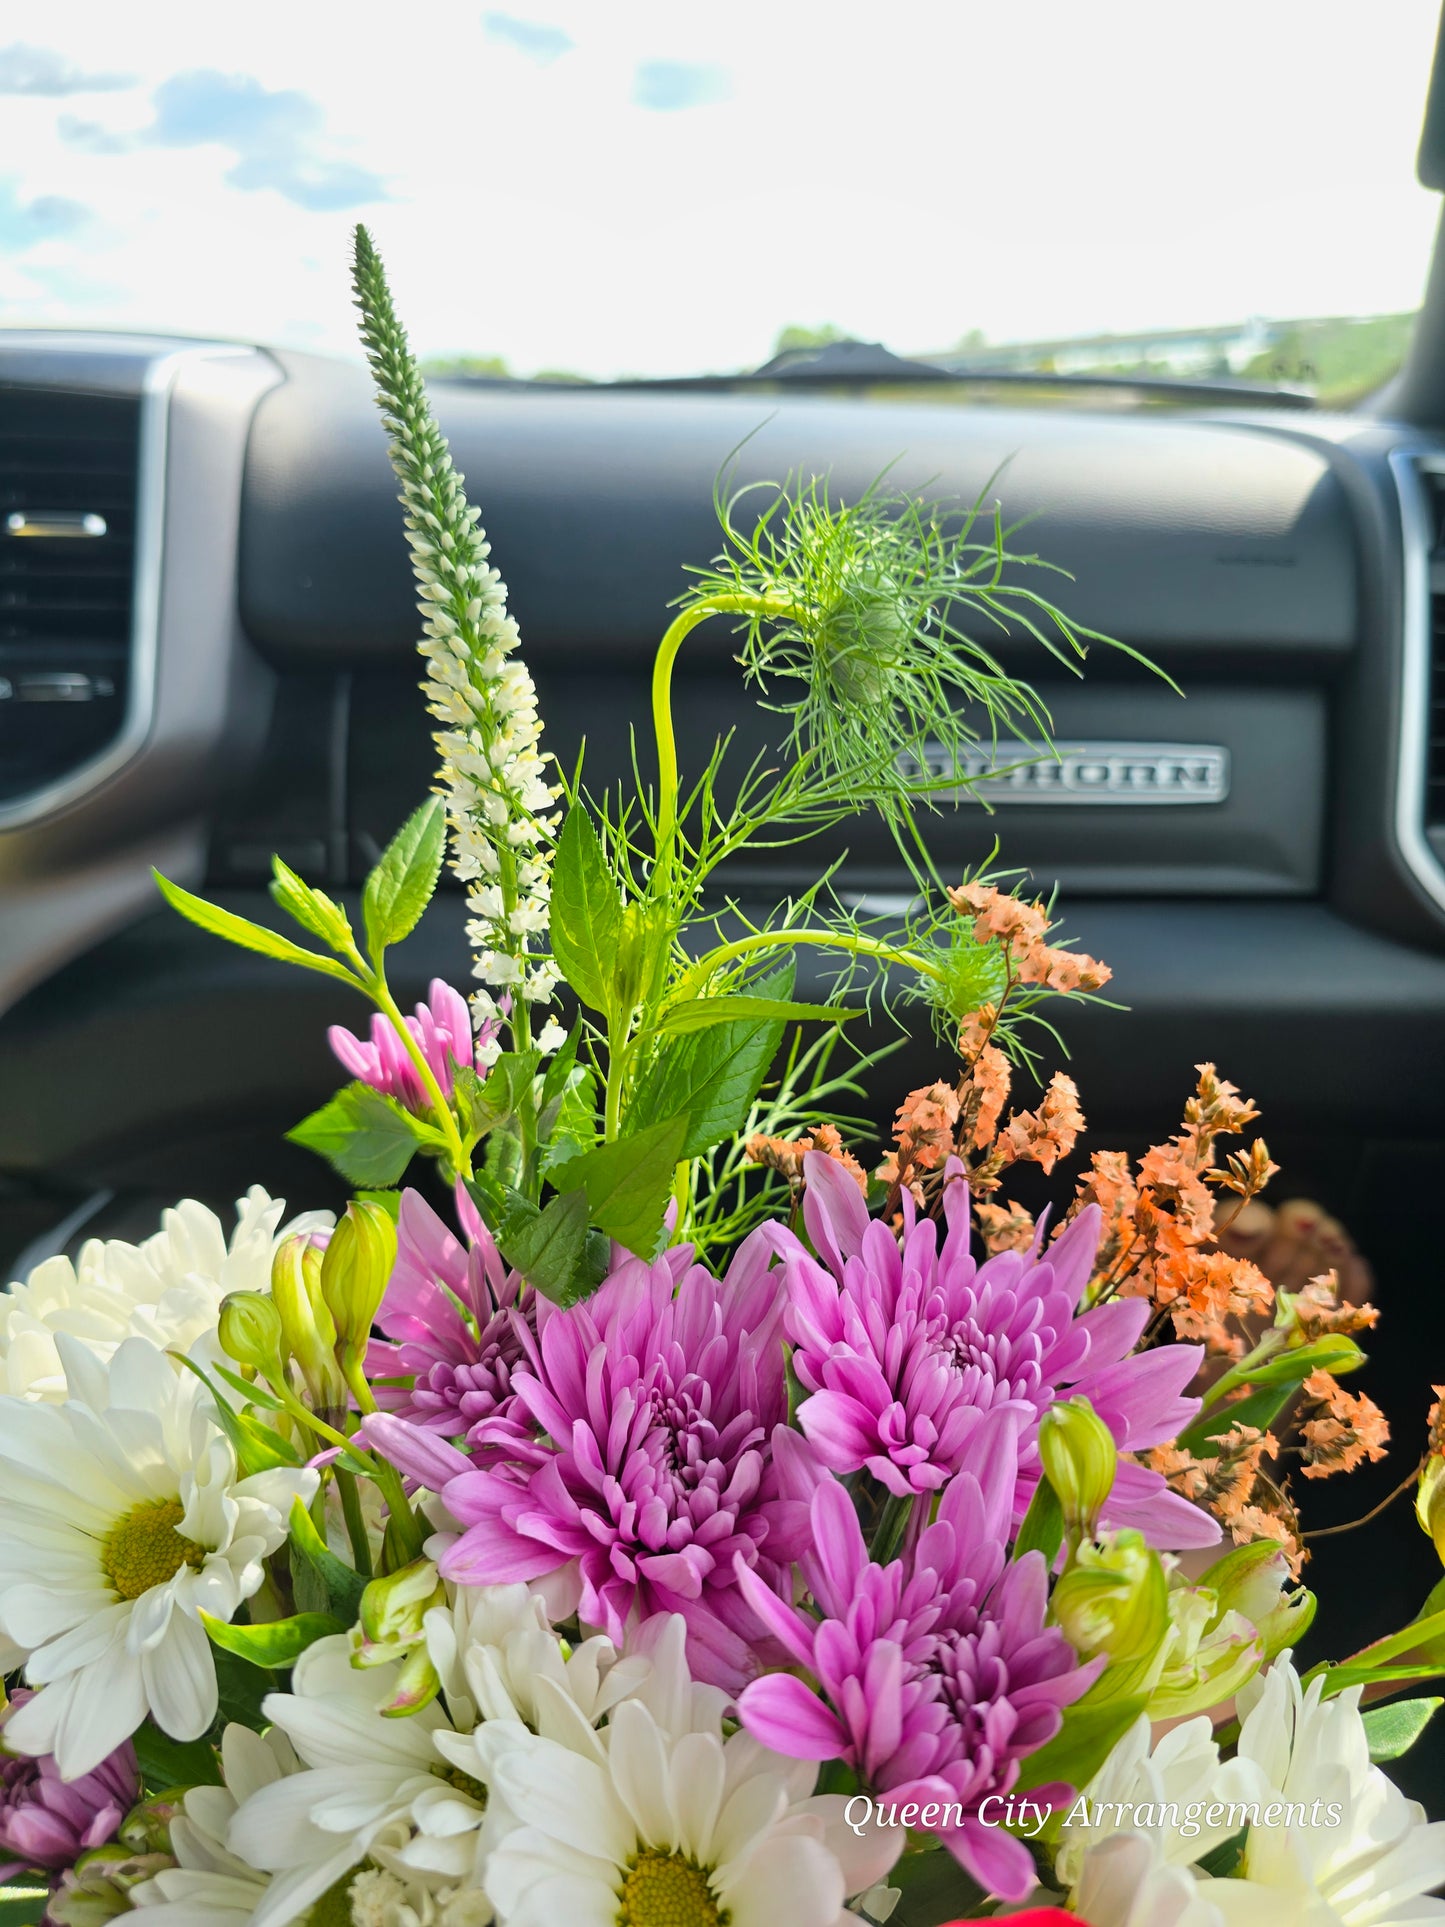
563, 188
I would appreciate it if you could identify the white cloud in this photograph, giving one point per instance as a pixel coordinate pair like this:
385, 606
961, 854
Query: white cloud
944, 165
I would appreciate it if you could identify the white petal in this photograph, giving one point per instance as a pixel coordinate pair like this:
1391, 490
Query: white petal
180, 1679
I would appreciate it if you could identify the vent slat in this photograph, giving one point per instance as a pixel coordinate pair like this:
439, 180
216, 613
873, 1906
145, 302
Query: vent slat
65, 603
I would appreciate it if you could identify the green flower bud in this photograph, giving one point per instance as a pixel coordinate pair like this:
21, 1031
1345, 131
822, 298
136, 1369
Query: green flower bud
1250, 1580
355, 1271
147, 1828
250, 1332
862, 639
97, 1888
1430, 1502
417, 1685
393, 1613
1114, 1599
1079, 1459
306, 1321
1211, 1652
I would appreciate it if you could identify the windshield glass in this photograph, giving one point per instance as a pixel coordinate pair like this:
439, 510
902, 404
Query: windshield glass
596, 191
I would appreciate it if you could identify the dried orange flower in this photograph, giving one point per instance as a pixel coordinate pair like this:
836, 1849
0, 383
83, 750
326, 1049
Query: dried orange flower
1048, 1134
785, 1155
1347, 1428
1204, 1289
976, 1031
1022, 929
1318, 1312
1225, 1481
1258, 1522
992, 1080
1004, 1227
1435, 1424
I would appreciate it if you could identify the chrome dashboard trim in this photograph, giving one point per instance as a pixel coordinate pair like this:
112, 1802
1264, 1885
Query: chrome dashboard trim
150, 518
1083, 773
1412, 742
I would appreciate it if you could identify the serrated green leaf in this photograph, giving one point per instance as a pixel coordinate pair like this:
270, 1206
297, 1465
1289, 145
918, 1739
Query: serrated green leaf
368, 1137
1043, 1525
248, 935
485, 1102
401, 886
712, 1075
572, 1126
628, 1183
310, 907
559, 1070
586, 912
1087, 1737
167, 1765
551, 1249
697, 1013
275, 1642
1393, 1730
343, 1585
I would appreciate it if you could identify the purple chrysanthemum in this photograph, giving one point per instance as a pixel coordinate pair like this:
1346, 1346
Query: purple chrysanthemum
904, 1348
635, 1472
457, 1320
47, 1823
442, 1027
936, 1674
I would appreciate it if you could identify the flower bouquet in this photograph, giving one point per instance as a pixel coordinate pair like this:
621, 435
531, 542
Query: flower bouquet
650, 1516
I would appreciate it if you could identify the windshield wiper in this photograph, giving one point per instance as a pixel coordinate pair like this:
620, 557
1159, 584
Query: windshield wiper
868, 364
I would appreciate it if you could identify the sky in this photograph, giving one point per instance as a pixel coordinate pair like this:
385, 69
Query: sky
622, 186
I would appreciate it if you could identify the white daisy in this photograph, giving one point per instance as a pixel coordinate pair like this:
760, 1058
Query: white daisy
664, 1823
122, 1516
1182, 1772
209, 1886
168, 1289
368, 1781
1370, 1867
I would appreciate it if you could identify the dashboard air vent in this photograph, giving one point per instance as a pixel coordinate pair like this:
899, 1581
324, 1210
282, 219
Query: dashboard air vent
68, 484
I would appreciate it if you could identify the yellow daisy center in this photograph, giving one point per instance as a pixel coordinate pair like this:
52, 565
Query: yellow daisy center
667, 1890
144, 1549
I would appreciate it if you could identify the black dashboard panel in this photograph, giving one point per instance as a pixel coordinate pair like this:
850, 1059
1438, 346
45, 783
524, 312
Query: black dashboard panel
1182, 534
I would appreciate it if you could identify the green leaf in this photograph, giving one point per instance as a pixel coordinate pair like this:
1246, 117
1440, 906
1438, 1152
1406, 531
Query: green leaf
1220, 1862
240, 1689
1393, 1730
310, 907
343, 1586
711, 1075
697, 1013
1087, 1737
1272, 1385
628, 1182
250, 936
257, 1447
586, 913
485, 1102
369, 1138
551, 1251
570, 1122
1043, 1526
400, 887
559, 1072
23, 1906
275, 1642
936, 1890
166, 1764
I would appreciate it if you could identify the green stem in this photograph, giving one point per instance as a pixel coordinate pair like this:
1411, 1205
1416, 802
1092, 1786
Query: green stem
355, 1524
859, 946
1239, 1374
888, 1533
678, 630
380, 993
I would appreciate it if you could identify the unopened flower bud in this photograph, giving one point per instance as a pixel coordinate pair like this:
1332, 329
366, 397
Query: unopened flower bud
250, 1332
1212, 1652
97, 1888
147, 1828
1430, 1502
417, 1685
306, 1322
356, 1270
1114, 1599
1250, 1580
392, 1613
1079, 1459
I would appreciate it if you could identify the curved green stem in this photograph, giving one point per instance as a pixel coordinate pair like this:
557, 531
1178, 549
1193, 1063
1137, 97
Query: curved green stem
851, 941
678, 630
381, 996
